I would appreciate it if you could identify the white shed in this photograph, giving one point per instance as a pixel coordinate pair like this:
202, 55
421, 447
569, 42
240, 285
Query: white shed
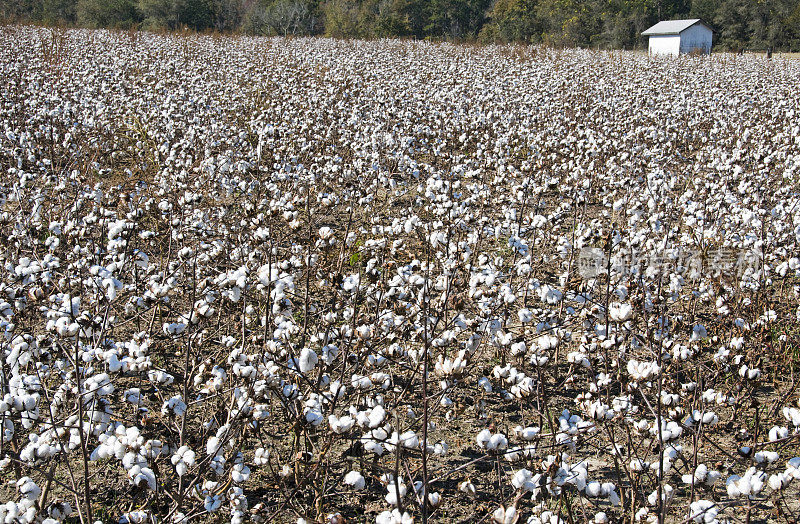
673, 37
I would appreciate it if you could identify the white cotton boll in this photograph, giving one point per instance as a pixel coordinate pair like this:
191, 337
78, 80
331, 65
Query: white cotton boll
394, 517
59, 510
699, 332
307, 361
593, 489
518, 348
374, 446
142, 476
341, 425
392, 491
213, 446
28, 488
778, 433
409, 440
240, 473
503, 515
550, 295
483, 438
376, 416
703, 511
750, 484
212, 503
498, 441
576, 357
528, 433
314, 417
765, 457
355, 480
261, 457
114, 364
525, 315
779, 481
468, 488
522, 480
486, 384
361, 382
620, 312
792, 415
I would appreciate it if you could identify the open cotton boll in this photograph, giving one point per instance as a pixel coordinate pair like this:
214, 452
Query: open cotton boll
522, 480
341, 425
498, 441
703, 511
483, 438
778, 433
620, 312
28, 489
392, 491
355, 480
751, 483
528, 433
699, 332
779, 481
183, 459
240, 473
550, 295
394, 517
307, 361
142, 476
505, 515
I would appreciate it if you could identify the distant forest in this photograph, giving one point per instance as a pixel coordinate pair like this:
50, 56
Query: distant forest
739, 24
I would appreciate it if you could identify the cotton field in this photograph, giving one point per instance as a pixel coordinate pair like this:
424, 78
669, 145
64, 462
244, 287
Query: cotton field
308, 280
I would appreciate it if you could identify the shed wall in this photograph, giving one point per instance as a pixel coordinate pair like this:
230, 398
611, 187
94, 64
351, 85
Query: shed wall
697, 37
665, 45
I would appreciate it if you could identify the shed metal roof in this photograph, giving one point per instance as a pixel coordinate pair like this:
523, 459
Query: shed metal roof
672, 27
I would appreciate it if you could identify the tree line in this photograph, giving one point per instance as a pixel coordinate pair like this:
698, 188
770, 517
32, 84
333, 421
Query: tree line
739, 24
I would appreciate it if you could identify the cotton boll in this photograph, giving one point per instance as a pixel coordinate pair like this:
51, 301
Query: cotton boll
550, 295
394, 517
778, 433
468, 488
593, 489
498, 441
483, 438
392, 490
503, 515
307, 361
341, 425
699, 332
703, 511
529, 433
522, 480
355, 480
28, 489
620, 312
240, 473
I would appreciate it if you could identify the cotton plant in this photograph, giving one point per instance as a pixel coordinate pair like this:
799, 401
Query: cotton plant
200, 305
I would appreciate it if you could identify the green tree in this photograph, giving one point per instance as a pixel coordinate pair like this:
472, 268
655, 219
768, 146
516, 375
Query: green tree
567, 22
513, 20
456, 18
57, 12
107, 13
160, 14
341, 19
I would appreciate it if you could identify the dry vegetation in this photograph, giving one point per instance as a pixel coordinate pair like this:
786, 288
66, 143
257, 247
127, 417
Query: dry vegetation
280, 280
